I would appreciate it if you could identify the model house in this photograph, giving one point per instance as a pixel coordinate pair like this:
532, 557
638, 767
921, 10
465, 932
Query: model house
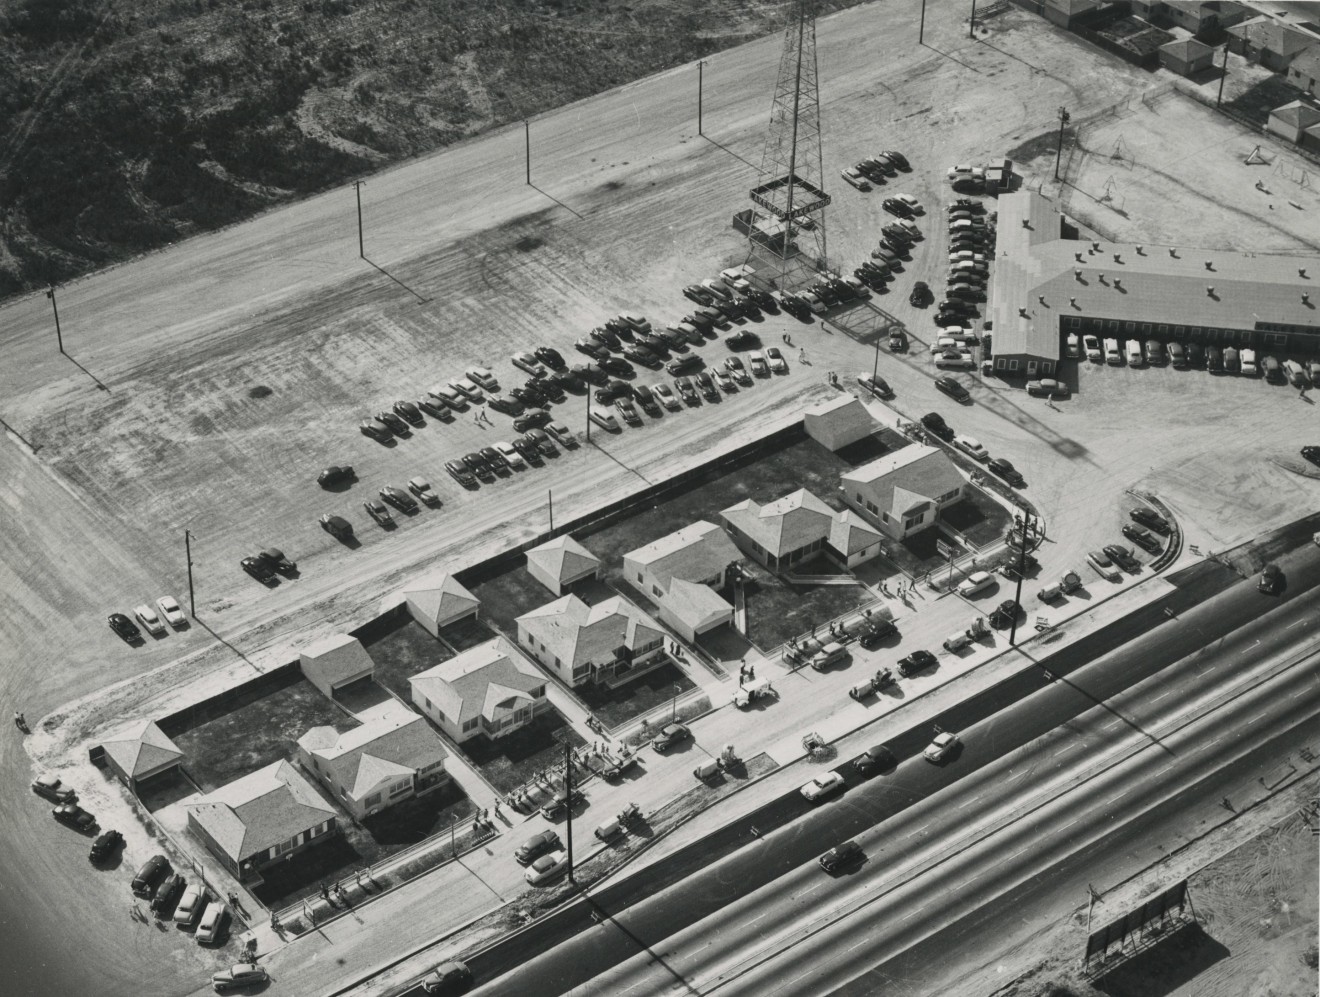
602, 643
561, 563
335, 662
263, 818
139, 752
440, 600
682, 574
903, 492
490, 690
781, 533
392, 757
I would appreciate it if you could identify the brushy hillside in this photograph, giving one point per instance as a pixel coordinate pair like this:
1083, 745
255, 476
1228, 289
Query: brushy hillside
126, 127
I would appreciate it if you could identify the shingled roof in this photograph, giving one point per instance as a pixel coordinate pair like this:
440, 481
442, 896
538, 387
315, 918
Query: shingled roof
386, 748
479, 681
577, 633
141, 749
698, 551
906, 478
259, 811
784, 525
563, 558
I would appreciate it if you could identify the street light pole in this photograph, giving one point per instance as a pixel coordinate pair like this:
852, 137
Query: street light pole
568, 791
1223, 75
588, 413
673, 715
527, 134
550, 492
1022, 568
701, 86
971, 23
357, 186
187, 547
921, 31
58, 337
875, 367
1058, 155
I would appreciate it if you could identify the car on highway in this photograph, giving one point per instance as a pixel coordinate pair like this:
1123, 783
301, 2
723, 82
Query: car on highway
876, 758
398, 498
537, 844
376, 431
934, 422
821, 786
1048, 387
335, 474
337, 526
104, 845
953, 388
940, 748
977, 581
378, 512
547, 868
531, 419
423, 490
408, 411
74, 816
915, 662
53, 789
1143, 538
841, 856
244, 974
669, 735
1271, 580
396, 425
449, 979
1150, 519
1006, 470
171, 611
1122, 556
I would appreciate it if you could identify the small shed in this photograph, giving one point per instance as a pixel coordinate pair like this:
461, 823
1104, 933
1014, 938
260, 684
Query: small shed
438, 600
139, 752
335, 662
1311, 138
1292, 120
1186, 56
838, 422
559, 563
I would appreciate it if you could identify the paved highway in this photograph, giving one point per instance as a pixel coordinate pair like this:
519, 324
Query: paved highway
991, 734
985, 836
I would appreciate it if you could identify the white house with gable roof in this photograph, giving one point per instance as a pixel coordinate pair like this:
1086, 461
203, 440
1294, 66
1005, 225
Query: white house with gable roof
600, 643
490, 689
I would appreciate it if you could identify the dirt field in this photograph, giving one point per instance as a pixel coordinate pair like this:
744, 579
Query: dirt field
179, 340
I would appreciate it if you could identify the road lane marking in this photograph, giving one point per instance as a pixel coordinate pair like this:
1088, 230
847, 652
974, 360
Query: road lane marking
1156, 699
1297, 624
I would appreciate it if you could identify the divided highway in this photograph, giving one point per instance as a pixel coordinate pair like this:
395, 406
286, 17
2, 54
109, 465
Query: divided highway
582, 952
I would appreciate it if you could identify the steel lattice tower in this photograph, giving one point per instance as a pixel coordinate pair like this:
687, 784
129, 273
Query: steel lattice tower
789, 197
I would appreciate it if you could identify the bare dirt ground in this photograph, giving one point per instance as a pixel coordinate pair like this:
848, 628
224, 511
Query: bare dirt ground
489, 265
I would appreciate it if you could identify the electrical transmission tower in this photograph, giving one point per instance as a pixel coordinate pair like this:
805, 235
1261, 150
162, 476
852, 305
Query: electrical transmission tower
789, 197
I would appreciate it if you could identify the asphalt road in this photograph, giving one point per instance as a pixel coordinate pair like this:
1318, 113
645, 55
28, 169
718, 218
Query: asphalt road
545, 961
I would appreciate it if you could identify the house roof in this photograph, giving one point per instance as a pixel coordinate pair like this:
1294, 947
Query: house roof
141, 748
1273, 35
906, 478
577, 633
698, 551
784, 525
1032, 261
440, 596
1297, 114
480, 681
266, 808
696, 605
337, 659
564, 559
1186, 48
383, 749
1306, 62
842, 415
850, 533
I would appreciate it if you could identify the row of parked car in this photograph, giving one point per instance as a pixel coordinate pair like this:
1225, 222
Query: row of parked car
152, 618
1228, 359
875, 170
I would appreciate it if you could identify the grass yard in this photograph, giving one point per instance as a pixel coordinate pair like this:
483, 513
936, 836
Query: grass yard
777, 610
256, 733
872, 447
510, 761
978, 517
401, 647
615, 707
506, 597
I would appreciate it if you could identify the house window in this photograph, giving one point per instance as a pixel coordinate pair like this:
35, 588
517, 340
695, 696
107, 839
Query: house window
639, 576
554, 660
873, 507
1073, 322
655, 590
913, 521
285, 846
470, 725
1131, 327
1012, 365
538, 692
860, 500
372, 801
402, 786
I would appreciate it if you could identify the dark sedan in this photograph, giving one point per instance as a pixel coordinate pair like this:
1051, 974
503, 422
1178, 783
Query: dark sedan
396, 424
1149, 518
915, 662
460, 473
1005, 614
409, 411
1122, 556
952, 388
1006, 470
1143, 538
124, 627
551, 357
334, 475
934, 422
74, 816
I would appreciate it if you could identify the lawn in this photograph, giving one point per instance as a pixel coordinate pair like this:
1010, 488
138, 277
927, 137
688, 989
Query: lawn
509, 595
615, 707
978, 517
401, 647
872, 447
917, 555
254, 734
508, 762
777, 610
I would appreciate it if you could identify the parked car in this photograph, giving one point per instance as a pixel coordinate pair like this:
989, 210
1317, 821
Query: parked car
1092, 347
561, 435
541, 440
951, 387
53, 789
191, 905
460, 473
408, 411
74, 816
146, 615
760, 366
149, 876
547, 868
821, 786
605, 420
485, 377
1214, 359
398, 498
670, 735
171, 611
337, 526
1151, 519
667, 397
163, 903
971, 447
549, 356
737, 370
915, 662
244, 974
776, 360
395, 425
685, 390
977, 581
257, 568
537, 844
509, 406
335, 474
854, 177
211, 928
435, 407
1005, 614
378, 512
1143, 538
934, 422
1122, 556
376, 431
531, 419
105, 844
1007, 471
878, 386
706, 385
1048, 387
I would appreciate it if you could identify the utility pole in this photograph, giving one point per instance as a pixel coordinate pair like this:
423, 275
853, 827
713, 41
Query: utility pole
1022, 569
551, 493
701, 83
588, 413
971, 23
1223, 75
58, 337
568, 790
1058, 155
187, 548
527, 134
921, 31
357, 185
875, 367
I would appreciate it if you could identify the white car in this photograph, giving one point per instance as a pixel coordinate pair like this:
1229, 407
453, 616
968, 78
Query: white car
170, 609
1134, 356
964, 255
977, 581
213, 922
1112, 355
822, 786
853, 176
485, 377
776, 360
1072, 345
908, 225
529, 363
1092, 347
447, 396
963, 361
605, 420
940, 747
148, 618
467, 389
562, 434
190, 904
909, 200
245, 974
507, 451
971, 447
53, 789
723, 379
968, 266
423, 490
546, 868
667, 397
